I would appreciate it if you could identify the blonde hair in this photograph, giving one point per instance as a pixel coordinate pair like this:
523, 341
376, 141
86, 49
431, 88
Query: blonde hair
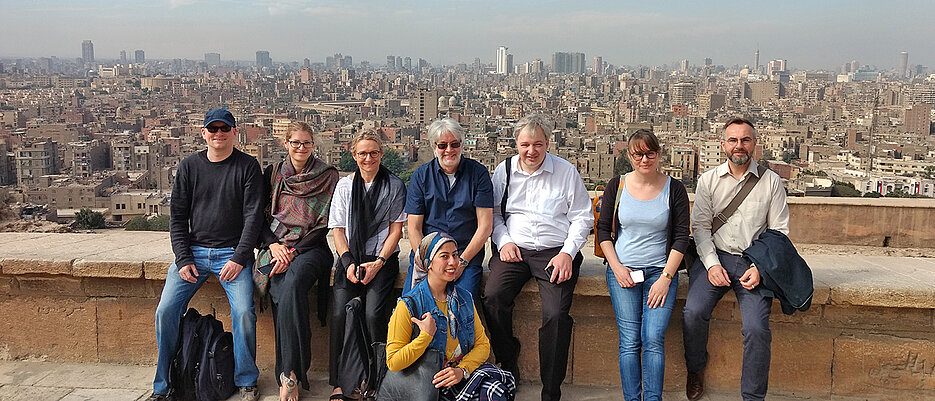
300, 126
370, 134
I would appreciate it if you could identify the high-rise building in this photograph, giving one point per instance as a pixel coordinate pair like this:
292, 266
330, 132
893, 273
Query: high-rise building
123, 57
919, 119
683, 66
263, 59
407, 63
778, 65
399, 63
502, 67
682, 93
423, 106
307, 63
903, 65
391, 63
568, 63
212, 59
139, 57
87, 51
756, 60
598, 65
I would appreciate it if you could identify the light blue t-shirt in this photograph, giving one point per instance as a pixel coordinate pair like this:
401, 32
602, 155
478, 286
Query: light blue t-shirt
643, 230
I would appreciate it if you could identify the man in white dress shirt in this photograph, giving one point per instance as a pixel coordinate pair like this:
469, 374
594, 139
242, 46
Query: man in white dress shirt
721, 265
546, 222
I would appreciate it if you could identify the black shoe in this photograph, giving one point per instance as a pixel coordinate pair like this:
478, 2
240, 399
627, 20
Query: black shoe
160, 397
511, 367
694, 387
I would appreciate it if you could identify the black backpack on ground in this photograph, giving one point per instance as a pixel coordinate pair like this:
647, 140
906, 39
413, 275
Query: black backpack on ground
358, 367
203, 367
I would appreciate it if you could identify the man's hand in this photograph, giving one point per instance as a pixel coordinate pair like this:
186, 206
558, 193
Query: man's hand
448, 377
562, 268
718, 276
189, 273
230, 271
426, 324
509, 253
750, 278
351, 273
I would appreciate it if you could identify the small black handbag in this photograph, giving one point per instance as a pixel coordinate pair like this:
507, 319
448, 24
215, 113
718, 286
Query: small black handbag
414, 383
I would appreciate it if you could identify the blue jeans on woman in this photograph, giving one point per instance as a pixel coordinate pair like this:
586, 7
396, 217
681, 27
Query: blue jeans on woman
641, 328
174, 302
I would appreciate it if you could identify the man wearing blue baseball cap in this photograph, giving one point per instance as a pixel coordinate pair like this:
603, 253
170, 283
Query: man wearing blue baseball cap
215, 218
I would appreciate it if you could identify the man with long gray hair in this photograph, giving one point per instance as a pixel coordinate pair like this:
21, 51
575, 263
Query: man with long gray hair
450, 194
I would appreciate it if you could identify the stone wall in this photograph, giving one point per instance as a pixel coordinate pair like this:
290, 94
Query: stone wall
869, 332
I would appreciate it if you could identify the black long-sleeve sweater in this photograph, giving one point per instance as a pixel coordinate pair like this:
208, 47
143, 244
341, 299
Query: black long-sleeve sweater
216, 205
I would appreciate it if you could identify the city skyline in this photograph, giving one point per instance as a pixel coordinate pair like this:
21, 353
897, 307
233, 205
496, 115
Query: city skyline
459, 31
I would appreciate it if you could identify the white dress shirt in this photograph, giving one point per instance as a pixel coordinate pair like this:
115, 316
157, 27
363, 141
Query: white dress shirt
764, 207
546, 209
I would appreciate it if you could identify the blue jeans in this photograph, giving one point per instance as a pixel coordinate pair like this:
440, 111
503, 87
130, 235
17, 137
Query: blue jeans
174, 302
469, 280
641, 328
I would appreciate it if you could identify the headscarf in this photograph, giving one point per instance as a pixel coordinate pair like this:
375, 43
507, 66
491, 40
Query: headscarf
428, 248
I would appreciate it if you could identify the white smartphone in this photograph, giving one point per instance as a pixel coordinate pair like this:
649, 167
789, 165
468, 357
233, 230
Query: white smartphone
637, 276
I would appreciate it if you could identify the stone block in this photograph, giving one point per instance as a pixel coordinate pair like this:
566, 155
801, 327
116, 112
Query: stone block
155, 270
51, 286
801, 359
126, 331
8, 285
595, 360
63, 329
36, 266
874, 317
885, 366
810, 317
119, 287
89, 268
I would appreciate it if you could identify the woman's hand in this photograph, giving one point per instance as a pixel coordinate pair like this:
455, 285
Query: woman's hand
282, 255
658, 292
426, 324
448, 377
622, 274
372, 269
351, 273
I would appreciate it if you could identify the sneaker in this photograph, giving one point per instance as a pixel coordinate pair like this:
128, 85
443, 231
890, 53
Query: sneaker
160, 397
250, 393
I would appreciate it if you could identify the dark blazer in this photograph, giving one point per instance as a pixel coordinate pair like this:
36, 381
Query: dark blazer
782, 271
679, 226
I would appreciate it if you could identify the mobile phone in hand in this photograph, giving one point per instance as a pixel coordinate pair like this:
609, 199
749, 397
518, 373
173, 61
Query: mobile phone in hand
266, 269
361, 273
549, 270
637, 276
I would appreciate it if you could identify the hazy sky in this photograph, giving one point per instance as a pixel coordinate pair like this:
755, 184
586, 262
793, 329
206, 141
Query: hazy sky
809, 34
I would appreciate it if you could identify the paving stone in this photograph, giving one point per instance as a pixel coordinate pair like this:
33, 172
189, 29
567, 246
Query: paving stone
22, 373
11, 392
105, 394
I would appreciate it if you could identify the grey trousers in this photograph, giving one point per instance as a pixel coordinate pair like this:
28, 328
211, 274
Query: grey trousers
754, 309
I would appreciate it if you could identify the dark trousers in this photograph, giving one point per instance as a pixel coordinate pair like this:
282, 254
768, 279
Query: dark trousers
754, 309
289, 294
503, 285
375, 302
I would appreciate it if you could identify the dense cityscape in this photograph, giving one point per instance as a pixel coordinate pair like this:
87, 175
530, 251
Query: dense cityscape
106, 134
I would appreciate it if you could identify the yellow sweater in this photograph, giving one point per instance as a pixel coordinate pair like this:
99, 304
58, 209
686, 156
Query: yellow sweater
401, 352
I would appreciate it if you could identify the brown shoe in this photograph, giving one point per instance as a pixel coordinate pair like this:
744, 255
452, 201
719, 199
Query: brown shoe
694, 389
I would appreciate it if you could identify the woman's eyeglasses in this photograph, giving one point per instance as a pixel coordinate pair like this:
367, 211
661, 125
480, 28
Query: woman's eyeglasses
444, 145
373, 154
648, 155
300, 144
214, 128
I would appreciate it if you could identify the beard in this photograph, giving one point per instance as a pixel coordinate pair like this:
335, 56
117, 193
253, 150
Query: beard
739, 158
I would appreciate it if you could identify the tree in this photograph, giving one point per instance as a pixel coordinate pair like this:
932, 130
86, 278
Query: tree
844, 189
394, 162
159, 223
622, 165
87, 219
347, 163
137, 224
871, 194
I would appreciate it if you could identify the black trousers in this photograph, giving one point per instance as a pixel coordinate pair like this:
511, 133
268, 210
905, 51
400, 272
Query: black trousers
375, 300
289, 294
503, 285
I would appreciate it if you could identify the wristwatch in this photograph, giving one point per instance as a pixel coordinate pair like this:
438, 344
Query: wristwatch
382, 259
666, 275
463, 262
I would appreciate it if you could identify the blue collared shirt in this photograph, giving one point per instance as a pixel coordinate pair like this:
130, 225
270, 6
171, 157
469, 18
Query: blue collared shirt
450, 209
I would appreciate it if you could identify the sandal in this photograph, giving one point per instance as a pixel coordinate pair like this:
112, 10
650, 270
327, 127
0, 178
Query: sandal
289, 383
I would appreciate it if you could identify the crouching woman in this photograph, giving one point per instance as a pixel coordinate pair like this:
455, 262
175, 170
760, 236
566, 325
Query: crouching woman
447, 321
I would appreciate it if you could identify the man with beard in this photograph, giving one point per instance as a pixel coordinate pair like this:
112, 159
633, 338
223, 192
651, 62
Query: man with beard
721, 266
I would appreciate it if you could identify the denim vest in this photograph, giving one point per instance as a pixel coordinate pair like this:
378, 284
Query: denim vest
460, 304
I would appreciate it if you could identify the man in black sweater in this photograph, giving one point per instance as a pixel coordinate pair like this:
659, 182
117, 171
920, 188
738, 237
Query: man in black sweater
216, 215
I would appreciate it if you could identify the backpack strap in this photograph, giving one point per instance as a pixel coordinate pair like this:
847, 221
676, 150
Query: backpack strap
411, 305
721, 218
613, 228
506, 190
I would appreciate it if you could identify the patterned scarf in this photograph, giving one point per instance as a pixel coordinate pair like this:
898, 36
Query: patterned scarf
429, 246
301, 200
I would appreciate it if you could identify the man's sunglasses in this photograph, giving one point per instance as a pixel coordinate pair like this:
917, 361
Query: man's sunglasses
213, 128
443, 145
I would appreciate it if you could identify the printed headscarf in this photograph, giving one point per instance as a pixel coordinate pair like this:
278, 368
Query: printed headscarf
428, 248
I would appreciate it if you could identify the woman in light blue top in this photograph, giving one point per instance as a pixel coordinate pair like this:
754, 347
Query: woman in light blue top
643, 239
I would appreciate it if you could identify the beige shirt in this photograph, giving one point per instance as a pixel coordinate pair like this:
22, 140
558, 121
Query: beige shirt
765, 207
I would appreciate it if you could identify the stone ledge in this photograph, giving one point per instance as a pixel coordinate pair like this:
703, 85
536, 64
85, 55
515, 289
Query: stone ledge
89, 268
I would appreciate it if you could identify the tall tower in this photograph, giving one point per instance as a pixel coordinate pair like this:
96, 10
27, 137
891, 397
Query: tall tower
87, 51
502, 67
140, 56
756, 61
263, 59
598, 65
903, 65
